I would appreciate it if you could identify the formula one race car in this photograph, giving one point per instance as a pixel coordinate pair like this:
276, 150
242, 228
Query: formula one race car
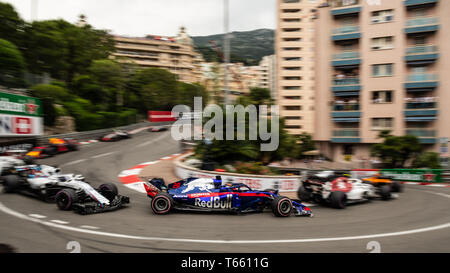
158, 129
206, 194
55, 146
379, 181
69, 191
115, 136
338, 190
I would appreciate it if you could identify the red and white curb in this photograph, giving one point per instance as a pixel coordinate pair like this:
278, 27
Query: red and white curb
427, 184
130, 178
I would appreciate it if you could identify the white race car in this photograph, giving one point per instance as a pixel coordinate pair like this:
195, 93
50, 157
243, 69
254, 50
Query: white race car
68, 190
340, 190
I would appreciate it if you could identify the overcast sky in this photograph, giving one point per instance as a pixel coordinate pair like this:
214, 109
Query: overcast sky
161, 17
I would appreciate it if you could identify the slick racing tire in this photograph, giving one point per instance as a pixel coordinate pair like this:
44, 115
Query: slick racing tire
282, 206
303, 194
385, 192
11, 184
108, 190
396, 186
162, 203
65, 199
28, 160
338, 199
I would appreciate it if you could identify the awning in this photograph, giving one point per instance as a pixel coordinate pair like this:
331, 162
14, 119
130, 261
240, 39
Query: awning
346, 119
419, 119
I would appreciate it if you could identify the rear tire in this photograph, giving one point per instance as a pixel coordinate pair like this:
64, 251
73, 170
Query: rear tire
303, 194
65, 199
396, 186
282, 206
162, 203
11, 184
385, 192
108, 190
338, 199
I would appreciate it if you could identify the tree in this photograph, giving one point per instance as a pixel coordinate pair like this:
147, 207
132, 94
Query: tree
427, 160
62, 49
11, 25
12, 65
395, 151
306, 144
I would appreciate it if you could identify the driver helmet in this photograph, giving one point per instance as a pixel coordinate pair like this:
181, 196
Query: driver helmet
217, 182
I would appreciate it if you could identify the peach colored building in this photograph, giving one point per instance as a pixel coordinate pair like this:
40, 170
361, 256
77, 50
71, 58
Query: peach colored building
176, 54
381, 65
294, 46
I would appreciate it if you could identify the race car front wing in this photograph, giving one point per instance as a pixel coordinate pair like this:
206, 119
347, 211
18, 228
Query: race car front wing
95, 207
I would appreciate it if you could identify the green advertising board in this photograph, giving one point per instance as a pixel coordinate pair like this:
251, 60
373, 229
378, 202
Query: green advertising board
11, 104
414, 175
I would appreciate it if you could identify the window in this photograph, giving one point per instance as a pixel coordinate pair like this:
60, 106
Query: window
291, 1
382, 43
420, 40
382, 97
293, 108
292, 29
382, 70
292, 20
293, 118
292, 39
382, 16
292, 48
293, 126
382, 123
291, 87
293, 58
293, 97
292, 78
293, 68
291, 10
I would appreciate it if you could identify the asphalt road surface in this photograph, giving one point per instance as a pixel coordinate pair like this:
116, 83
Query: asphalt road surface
417, 221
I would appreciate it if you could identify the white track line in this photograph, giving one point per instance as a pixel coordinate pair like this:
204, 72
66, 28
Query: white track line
102, 155
38, 216
59, 222
89, 227
73, 162
124, 236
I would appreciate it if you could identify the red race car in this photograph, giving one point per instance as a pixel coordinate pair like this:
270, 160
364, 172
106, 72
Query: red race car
55, 146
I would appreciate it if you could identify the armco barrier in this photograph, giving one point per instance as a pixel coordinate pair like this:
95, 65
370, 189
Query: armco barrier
89, 135
415, 175
257, 182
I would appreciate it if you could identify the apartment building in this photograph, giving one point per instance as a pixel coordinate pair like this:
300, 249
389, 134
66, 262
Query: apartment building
268, 72
294, 45
381, 65
176, 54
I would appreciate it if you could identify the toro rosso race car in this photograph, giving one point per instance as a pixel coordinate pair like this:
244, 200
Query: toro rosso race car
115, 136
55, 146
338, 190
206, 194
69, 191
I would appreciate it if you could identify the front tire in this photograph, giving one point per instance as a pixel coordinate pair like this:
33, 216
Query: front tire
162, 203
11, 184
338, 199
65, 199
108, 190
282, 206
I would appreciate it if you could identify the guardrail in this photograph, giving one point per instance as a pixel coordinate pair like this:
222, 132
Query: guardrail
89, 135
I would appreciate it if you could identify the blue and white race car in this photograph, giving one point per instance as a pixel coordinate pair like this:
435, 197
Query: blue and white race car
206, 194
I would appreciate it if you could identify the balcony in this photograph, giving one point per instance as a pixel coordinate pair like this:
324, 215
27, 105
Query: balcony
425, 136
420, 105
422, 25
346, 136
349, 7
420, 55
347, 86
346, 113
346, 59
421, 82
418, 3
346, 33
